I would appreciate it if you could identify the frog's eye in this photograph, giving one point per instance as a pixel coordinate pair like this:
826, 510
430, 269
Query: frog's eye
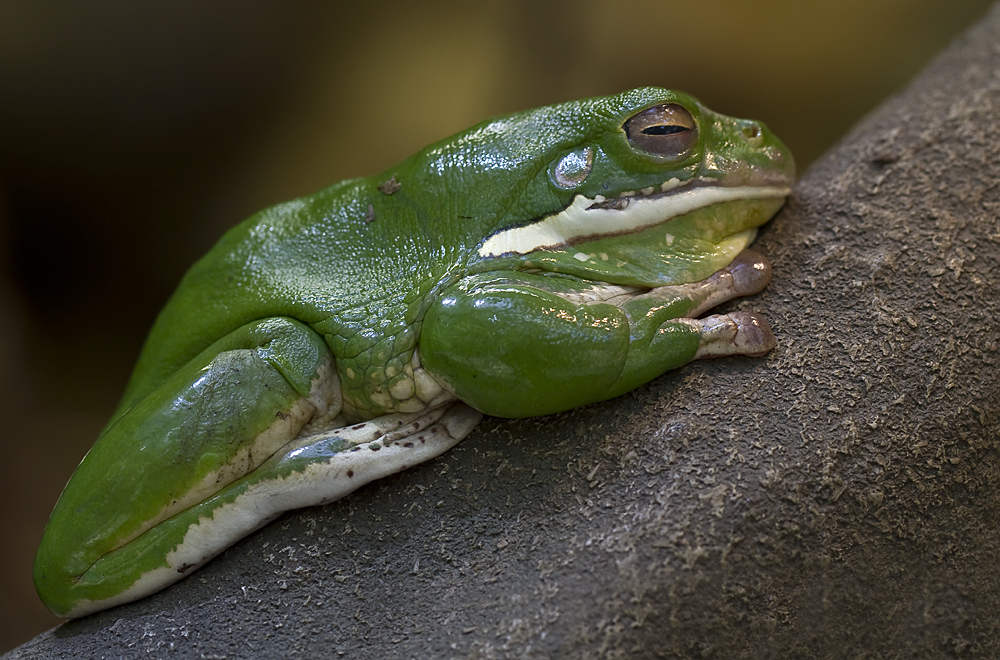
667, 130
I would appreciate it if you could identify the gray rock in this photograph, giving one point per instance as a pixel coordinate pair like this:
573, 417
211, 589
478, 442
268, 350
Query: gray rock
839, 498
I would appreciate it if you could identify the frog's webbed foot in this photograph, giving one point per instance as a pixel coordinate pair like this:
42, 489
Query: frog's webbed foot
324, 467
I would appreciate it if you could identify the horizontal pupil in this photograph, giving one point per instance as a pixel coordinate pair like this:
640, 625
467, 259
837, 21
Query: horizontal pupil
664, 129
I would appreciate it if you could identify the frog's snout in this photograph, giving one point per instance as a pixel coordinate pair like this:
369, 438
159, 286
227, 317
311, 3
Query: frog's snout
745, 152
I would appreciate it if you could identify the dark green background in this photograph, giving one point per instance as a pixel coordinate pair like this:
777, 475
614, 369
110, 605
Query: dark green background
133, 134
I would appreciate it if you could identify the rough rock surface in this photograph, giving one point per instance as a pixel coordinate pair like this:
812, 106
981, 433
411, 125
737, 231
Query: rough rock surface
839, 498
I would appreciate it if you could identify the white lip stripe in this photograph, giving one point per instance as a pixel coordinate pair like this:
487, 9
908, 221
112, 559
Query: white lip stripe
577, 220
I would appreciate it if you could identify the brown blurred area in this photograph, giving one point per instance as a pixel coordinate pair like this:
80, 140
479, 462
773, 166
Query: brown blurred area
133, 134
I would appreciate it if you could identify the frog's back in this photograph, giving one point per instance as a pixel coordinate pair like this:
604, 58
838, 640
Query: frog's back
314, 259
363, 249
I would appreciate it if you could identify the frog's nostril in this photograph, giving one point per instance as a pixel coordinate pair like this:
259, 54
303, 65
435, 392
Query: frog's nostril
751, 130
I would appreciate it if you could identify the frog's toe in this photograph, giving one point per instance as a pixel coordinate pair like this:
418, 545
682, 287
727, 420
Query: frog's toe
751, 272
746, 275
736, 333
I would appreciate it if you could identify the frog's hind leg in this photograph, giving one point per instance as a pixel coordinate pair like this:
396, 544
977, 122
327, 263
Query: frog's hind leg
324, 467
312, 470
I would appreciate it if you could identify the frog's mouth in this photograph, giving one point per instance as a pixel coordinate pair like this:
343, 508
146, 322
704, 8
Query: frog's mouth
632, 211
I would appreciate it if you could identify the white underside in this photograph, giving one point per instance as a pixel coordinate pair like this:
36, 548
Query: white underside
578, 220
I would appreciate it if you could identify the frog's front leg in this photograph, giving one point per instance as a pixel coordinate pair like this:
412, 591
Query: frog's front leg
518, 344
228, 442
736, 333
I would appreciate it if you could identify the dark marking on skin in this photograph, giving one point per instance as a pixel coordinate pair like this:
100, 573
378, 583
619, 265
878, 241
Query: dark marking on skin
408, 445
356, 449
370, 214
185, 568
350, 474
615, 204
282, 414
390, 186
358, 426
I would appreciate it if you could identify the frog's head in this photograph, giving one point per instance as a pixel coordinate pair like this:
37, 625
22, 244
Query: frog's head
648, 188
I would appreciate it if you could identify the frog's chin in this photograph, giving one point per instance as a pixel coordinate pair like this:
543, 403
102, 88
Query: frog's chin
587, 219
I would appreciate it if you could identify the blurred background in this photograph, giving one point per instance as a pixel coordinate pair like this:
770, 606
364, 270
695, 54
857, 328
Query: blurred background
133, 134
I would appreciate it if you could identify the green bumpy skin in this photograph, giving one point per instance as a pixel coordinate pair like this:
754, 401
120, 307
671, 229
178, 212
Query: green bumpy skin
531, 264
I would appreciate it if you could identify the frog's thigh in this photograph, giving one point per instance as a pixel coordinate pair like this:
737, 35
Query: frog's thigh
214, 420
